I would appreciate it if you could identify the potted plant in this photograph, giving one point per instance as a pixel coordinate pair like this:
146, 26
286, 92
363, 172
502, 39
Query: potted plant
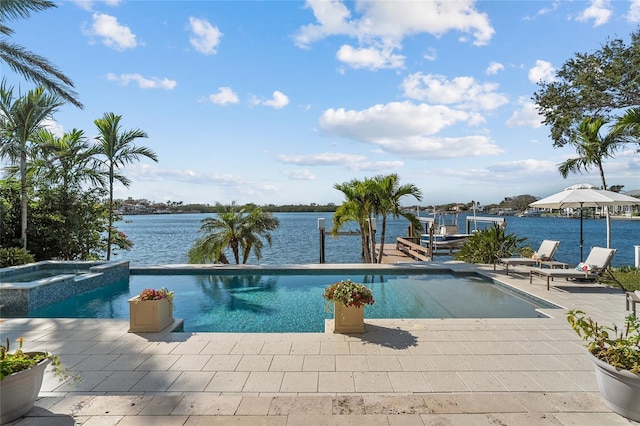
151, 311
616, 356
349, 299
21, 375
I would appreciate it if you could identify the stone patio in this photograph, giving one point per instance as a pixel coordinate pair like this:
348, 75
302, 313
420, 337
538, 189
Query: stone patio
529, 371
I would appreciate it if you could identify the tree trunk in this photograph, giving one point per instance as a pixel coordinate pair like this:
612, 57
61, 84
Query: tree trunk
110, 229
382, 236
23, 196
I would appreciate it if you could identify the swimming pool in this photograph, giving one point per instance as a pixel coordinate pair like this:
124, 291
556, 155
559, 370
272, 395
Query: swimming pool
292, 301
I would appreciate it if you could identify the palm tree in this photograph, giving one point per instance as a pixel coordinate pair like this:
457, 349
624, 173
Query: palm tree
628, 126
235, 229
19, 120
389, 192
33, 67
118, 150
358, 207
592, 149
67, 161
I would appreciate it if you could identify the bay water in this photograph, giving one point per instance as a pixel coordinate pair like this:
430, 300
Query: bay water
166, 238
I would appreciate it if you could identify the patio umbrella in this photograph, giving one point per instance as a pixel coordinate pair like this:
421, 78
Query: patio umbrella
585, 195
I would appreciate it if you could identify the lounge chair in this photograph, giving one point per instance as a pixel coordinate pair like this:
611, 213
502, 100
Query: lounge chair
546, 252
595, 265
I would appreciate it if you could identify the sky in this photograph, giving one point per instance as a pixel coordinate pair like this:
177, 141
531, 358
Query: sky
275, 102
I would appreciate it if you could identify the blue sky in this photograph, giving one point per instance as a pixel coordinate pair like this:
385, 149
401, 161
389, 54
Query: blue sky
273, 102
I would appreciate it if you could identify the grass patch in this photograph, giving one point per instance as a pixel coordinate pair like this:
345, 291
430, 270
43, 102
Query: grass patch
626, 277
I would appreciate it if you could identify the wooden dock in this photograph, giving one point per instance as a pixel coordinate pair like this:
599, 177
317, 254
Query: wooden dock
391, 254
403, 250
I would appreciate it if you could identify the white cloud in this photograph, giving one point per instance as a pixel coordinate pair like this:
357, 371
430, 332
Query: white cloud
406, 129
369, 57
524, 167
376, 166
322, 159
278, 101
465, 92
506, 174
88, 4
349, 161
527, 115
332, 18
385, 23
546, 10
542, 71
599, 11
113, 35
53, 126
388, 20
494, 67
634, 11
143, 82
231, 184
431, 54
299, 174
206, 37
224, 96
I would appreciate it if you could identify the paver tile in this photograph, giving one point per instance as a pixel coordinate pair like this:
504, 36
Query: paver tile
206, 405
158, 362
408, 382
276, 348
264, 381
247, 347
153, 420
334, 348
190, 362
114, 406
319, 363
303, 382
444, 381
156, 381
162, 405
351, 363
305, 348
480, 381
221, 362
286, 363
254, 363
191, 381
373, 381
119, 381
228, 381
336, 382
383, 363
254, 406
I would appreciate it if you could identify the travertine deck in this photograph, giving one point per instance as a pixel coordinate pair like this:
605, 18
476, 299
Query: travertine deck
401, 372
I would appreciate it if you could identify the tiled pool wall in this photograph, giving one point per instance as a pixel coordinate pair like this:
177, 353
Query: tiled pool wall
24, 296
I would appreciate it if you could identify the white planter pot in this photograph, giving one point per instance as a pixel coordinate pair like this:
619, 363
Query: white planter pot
347, 319
620, 389
149, 316
19, 391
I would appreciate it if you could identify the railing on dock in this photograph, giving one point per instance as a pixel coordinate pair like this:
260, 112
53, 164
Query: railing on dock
412, 249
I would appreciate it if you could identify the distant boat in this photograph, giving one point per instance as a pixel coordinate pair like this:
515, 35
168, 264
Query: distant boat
530, 213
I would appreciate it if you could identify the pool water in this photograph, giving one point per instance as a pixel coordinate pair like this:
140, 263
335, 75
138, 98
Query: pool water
294, 303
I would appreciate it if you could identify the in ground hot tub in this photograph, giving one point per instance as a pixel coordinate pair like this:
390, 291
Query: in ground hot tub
38, 284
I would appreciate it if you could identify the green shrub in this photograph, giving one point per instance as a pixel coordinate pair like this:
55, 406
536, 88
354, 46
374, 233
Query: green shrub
626, 277
490, 244
14, 256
